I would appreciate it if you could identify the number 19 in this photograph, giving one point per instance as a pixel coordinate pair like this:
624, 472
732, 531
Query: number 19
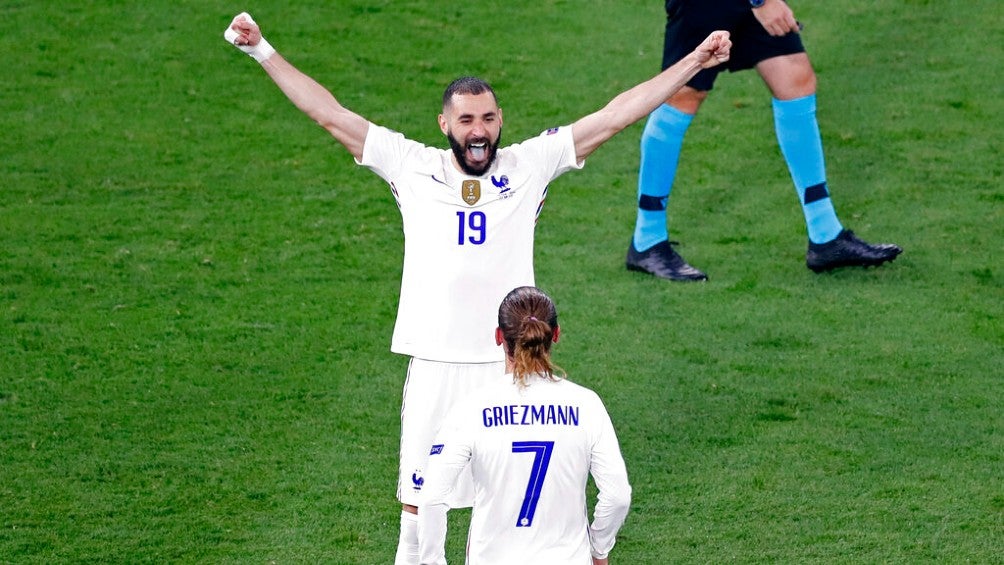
475, 223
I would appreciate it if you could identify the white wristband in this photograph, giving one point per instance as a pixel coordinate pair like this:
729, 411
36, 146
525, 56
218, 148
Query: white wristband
259, 52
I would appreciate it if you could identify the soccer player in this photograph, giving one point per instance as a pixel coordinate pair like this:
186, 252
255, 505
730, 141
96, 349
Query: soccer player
766, 37
469, 214
531, 441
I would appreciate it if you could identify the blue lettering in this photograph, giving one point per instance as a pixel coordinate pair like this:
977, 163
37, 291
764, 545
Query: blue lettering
529, 415
538, 414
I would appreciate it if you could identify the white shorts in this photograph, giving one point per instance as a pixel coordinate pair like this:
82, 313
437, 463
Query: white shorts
431, 389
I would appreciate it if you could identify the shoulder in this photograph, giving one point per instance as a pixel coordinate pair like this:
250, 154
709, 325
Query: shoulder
552, 152
389, 150
574, 388
556, 136
584, 395
490, 393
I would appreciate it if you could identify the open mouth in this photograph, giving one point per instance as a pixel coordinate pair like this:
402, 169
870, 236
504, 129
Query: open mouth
478, 151
475, 155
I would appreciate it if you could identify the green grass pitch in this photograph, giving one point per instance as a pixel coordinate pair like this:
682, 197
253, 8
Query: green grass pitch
198, 286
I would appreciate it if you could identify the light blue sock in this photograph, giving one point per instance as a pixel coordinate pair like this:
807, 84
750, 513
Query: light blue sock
798, 135
660, 152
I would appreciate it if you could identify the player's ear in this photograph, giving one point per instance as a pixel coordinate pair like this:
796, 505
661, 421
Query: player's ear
557, 334
443, 125
499, 336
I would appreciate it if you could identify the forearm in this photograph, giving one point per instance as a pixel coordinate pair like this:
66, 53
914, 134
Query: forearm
318, 103
630, 106
608, 517
638, 102
313, 99
613, 500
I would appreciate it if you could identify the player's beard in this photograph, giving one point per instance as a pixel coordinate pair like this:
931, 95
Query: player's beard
460, 152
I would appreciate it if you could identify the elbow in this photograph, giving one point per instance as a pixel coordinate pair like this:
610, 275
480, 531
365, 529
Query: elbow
616, 120
622, 497
324, 119
624, 501
617, 499
328, 115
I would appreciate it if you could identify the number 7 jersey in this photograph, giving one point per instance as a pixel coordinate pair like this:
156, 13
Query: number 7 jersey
531, 451
468, 241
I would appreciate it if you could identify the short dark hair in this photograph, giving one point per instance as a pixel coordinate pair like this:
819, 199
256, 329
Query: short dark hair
466, 85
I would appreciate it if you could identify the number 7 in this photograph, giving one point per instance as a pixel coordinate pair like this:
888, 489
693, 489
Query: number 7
541, 459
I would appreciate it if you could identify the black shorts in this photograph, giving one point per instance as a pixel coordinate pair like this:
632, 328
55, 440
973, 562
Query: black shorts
689, 22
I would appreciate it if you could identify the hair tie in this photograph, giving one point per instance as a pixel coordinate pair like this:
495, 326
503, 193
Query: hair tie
534, 318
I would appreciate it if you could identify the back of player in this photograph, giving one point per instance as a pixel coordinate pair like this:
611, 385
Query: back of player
532, 440
532, 450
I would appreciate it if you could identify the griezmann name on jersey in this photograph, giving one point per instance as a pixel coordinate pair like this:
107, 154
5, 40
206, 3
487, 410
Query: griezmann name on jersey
530, 415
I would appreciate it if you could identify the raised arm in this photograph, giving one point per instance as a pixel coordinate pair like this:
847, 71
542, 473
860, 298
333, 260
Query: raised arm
304, 92
632, 105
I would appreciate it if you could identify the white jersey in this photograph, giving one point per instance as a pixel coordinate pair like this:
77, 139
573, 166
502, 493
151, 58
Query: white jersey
530, 451
468, 241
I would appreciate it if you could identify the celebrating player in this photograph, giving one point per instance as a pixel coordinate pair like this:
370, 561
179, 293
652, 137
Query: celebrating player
468, 215
531, 442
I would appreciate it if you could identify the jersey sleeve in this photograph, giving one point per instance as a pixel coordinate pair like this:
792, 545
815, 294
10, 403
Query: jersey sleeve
449, 454
385, 152
614, 492
554, 149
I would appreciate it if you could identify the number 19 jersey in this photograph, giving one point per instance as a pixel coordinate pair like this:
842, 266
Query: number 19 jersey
468, 241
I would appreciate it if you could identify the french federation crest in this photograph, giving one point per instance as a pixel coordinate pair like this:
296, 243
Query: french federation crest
470, 191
